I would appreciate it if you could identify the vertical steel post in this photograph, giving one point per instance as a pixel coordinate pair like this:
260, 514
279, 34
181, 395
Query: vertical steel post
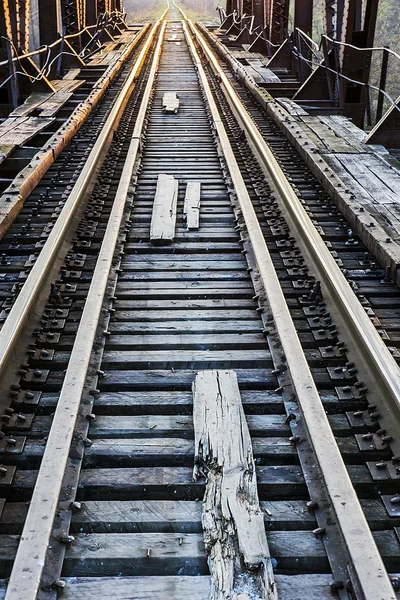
355, 64
279, 21
303, 15
382, 84
91, 12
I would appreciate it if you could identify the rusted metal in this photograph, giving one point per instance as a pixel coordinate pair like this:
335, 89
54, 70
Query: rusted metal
356, 65
279, 21
382, 84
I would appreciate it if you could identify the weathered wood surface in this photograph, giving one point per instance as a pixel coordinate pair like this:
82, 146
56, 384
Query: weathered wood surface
149, 425
292, 107
67, 85
295, 587
180, 402
262, 72
108, 452
50, 107
234, 534
5, 151
17, 131
163, 219
191, 207
72, 74
46, 104
32, 103
170, 102
176, 516
362, 179
176, 483
165, 553
159, 516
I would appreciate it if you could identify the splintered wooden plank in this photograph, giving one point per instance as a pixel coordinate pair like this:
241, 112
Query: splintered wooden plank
33, 102
163, 219
234, 534
170, 102
191, 208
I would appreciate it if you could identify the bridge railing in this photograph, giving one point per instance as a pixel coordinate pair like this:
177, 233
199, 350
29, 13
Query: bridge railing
49, 60
377, 97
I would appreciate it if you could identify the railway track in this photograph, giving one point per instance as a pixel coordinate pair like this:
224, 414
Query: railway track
100, 440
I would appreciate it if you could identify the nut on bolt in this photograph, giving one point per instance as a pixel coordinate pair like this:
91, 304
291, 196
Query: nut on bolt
66, 538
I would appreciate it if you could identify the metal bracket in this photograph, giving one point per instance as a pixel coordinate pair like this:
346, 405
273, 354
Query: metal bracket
7, 473
42, 355
392, 507
12, 444
339, 373
49, 338
35, 375
349, 392
27, 397
361, 418
331, 352
384, 471
16, 421
370, 441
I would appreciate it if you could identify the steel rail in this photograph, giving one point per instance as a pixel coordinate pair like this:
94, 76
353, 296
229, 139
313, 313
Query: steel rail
31, 554
367, 571
374, 350
20, 311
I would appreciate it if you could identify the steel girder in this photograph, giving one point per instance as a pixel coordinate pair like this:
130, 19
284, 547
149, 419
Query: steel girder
355, 65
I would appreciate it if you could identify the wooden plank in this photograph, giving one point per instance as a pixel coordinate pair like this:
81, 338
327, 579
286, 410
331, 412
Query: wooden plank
344, 126
67, 85
24, 129
163, 219
267, 76
276, 482
295, 587
292, 107
5, 151
191, 207
166, 358
33, 102
155, 425
329, 140
364, 169
234, 534
170, 102
50, 107
162, 554
187, 340
10, 124
158, 516
71, 74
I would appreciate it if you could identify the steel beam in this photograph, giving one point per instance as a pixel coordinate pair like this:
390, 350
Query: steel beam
258, 12
355, 65
279, 21
303, 15
91, 12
